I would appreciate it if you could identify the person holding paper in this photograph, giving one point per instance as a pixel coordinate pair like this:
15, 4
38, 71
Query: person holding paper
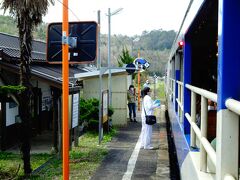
149, 106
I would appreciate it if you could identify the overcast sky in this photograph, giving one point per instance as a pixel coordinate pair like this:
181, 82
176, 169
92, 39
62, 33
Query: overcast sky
136, 16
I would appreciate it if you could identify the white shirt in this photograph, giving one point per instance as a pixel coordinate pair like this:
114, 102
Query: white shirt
148, 105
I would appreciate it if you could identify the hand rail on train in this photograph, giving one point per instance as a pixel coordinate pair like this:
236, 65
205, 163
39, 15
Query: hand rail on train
180, 104
179, 82
233, 105
203, 92
206, 148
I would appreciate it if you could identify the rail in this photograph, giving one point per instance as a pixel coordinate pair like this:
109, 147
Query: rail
180, 100
203, 92
205, 147
233, 105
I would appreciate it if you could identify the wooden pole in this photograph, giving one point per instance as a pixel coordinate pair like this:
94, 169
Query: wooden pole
65, 87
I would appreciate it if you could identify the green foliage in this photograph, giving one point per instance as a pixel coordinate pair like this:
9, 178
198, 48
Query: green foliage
9, 26
157, 40
93, 124
108, 137
154, 46
125, 58
89, 109
10, 162
11, 89
40, 32
161, 91
89, 112
110, 111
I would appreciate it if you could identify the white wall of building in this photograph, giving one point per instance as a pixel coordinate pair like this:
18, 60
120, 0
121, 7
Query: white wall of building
120, 84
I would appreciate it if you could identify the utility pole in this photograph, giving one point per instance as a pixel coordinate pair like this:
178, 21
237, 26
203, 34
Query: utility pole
109, 51
109, 57
139, 84
154, 78
99, 39
100, 81
65, 87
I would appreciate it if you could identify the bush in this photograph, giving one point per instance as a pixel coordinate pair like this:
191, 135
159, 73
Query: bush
93, 124
89, 109
89, 112
110, 111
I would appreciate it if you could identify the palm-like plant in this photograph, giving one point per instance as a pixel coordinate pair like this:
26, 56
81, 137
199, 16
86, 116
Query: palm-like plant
28, 14
125, 58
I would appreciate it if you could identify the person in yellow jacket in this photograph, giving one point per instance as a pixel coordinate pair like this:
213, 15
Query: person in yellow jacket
131, 97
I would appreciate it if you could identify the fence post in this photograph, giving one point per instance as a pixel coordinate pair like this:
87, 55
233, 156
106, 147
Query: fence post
193, 117
203, 153
182, 101
179, 100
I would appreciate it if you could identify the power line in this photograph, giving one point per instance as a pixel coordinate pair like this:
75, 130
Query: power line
70, 10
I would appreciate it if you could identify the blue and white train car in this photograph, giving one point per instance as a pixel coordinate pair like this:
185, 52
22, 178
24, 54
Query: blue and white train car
203, 90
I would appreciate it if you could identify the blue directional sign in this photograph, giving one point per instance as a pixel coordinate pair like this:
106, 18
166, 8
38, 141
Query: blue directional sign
141, 63
82, 42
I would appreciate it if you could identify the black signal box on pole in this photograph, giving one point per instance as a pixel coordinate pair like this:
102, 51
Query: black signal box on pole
82, 42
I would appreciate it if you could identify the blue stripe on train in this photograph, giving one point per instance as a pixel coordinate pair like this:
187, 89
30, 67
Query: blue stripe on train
228, 49
187, 80
181, 144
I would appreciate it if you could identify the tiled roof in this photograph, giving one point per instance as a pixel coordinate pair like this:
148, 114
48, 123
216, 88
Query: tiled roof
49, 72
9, 44
54, 72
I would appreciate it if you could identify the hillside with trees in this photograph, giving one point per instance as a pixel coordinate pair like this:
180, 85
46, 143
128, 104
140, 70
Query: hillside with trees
153, 45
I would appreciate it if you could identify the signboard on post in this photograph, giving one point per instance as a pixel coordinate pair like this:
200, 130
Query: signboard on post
82, 42
130, 68
104, 106
141, 63
75, 110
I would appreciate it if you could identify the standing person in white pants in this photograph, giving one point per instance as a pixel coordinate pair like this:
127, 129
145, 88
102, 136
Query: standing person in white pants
146, 132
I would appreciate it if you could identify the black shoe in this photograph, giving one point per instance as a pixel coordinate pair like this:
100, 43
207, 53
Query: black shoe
134, 120
131, 120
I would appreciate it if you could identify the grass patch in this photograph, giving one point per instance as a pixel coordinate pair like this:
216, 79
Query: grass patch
84, 160
11, 165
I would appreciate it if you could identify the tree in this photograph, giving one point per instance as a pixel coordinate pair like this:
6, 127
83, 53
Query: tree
125, 58
28, 14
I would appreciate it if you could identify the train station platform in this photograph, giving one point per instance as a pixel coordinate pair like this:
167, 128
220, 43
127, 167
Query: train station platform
126, 160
